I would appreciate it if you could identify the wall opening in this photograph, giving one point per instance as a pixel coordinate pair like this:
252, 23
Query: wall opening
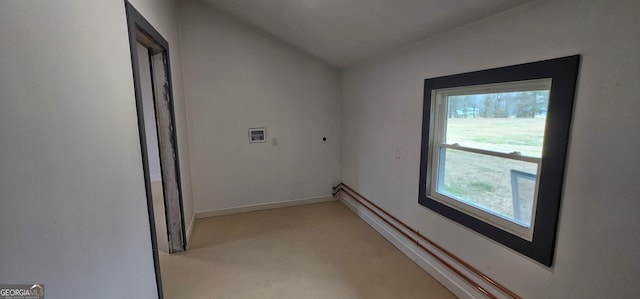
158, 141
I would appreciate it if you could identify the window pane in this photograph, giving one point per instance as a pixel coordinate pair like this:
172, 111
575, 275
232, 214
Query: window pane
489, 183
503, 122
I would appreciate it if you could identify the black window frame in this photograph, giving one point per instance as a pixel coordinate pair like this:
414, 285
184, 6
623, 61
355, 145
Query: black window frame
563, 72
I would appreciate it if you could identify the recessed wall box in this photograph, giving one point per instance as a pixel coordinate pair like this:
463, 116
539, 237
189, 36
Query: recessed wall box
257, 135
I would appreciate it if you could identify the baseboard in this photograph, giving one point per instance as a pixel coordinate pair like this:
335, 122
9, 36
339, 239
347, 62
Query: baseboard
264, 206
446, 277
190, 229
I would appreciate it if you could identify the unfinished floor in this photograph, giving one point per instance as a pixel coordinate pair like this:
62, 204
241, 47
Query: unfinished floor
313, 251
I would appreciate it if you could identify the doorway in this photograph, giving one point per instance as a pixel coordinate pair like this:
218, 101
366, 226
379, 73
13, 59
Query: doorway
158, 141
153, 151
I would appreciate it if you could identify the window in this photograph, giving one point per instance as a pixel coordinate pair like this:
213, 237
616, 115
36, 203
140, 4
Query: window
493, 151
482, 136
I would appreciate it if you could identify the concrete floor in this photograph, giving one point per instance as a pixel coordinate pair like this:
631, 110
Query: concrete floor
313, 251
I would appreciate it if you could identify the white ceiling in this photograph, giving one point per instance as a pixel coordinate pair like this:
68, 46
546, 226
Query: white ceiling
347, 32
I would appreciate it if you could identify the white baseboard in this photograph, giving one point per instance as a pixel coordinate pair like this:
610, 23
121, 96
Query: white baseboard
264, 206
446, 277
190, 229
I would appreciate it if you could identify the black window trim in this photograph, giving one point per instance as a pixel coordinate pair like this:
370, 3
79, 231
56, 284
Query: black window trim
563, 72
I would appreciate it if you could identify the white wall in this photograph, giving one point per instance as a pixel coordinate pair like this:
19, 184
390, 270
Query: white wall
236, 78
73, 209
598, 242
149, 114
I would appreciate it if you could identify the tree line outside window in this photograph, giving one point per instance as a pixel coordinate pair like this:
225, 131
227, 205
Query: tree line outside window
521, 104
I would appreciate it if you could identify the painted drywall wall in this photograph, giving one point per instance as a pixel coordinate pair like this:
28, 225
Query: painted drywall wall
236, 78
149, 114
72, 197
73, 209
598, 241
164, 18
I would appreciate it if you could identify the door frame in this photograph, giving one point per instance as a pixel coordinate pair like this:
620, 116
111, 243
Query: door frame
140, 30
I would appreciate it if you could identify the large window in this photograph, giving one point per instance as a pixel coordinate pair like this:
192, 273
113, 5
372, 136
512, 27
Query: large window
493, 151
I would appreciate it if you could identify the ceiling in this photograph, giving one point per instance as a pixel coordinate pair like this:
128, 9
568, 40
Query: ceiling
347, 32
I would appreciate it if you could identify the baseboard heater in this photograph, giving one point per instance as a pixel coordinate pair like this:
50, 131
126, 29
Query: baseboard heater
394, 222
